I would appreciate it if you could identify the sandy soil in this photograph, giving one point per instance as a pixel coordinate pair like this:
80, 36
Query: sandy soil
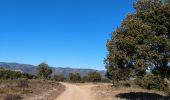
77, 92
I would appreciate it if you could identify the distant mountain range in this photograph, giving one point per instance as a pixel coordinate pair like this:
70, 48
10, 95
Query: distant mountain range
31, 69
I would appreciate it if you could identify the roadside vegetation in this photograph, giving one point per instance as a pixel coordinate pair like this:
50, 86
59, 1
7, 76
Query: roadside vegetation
30, 89
91, 77
10, 75
140, 48
15, 85
138, 60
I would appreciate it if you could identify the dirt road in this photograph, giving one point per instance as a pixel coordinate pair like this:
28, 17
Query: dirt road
76, 92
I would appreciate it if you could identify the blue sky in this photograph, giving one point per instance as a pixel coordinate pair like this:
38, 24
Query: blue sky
64, 33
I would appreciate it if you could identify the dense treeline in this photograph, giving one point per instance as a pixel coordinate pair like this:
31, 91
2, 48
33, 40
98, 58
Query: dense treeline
91, 77
45, 72
8, 74
141, 45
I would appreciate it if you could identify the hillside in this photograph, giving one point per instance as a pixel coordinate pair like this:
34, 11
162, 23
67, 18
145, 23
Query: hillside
27, 68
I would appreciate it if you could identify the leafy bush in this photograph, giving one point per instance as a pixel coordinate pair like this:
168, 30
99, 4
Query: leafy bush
126, 84
44, 71
74, 77
106, 80
94, 76
9, 74
12, 97
122, 84
29, 76
59, 77
152, 82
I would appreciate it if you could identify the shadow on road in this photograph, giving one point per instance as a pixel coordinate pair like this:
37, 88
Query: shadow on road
142, 96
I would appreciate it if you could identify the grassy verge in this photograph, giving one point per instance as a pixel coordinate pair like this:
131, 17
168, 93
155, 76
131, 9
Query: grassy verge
30, 89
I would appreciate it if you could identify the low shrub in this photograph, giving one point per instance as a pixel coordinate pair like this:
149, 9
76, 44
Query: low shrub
26, 91
126, 84
152, 82
22, 83
94, 77
59, 77
105, 80
122, 84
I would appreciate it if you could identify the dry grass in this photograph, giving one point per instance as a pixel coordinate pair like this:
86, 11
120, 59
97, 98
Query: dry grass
107, 92
30, 90
12, 97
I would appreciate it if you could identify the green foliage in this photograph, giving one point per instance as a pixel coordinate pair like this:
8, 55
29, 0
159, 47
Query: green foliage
152, 82
94, 77
106, 80
141, 42
44, 71
117, 75
8, 74
122, 84
84, 79
74, 77
28, 76
59, 77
